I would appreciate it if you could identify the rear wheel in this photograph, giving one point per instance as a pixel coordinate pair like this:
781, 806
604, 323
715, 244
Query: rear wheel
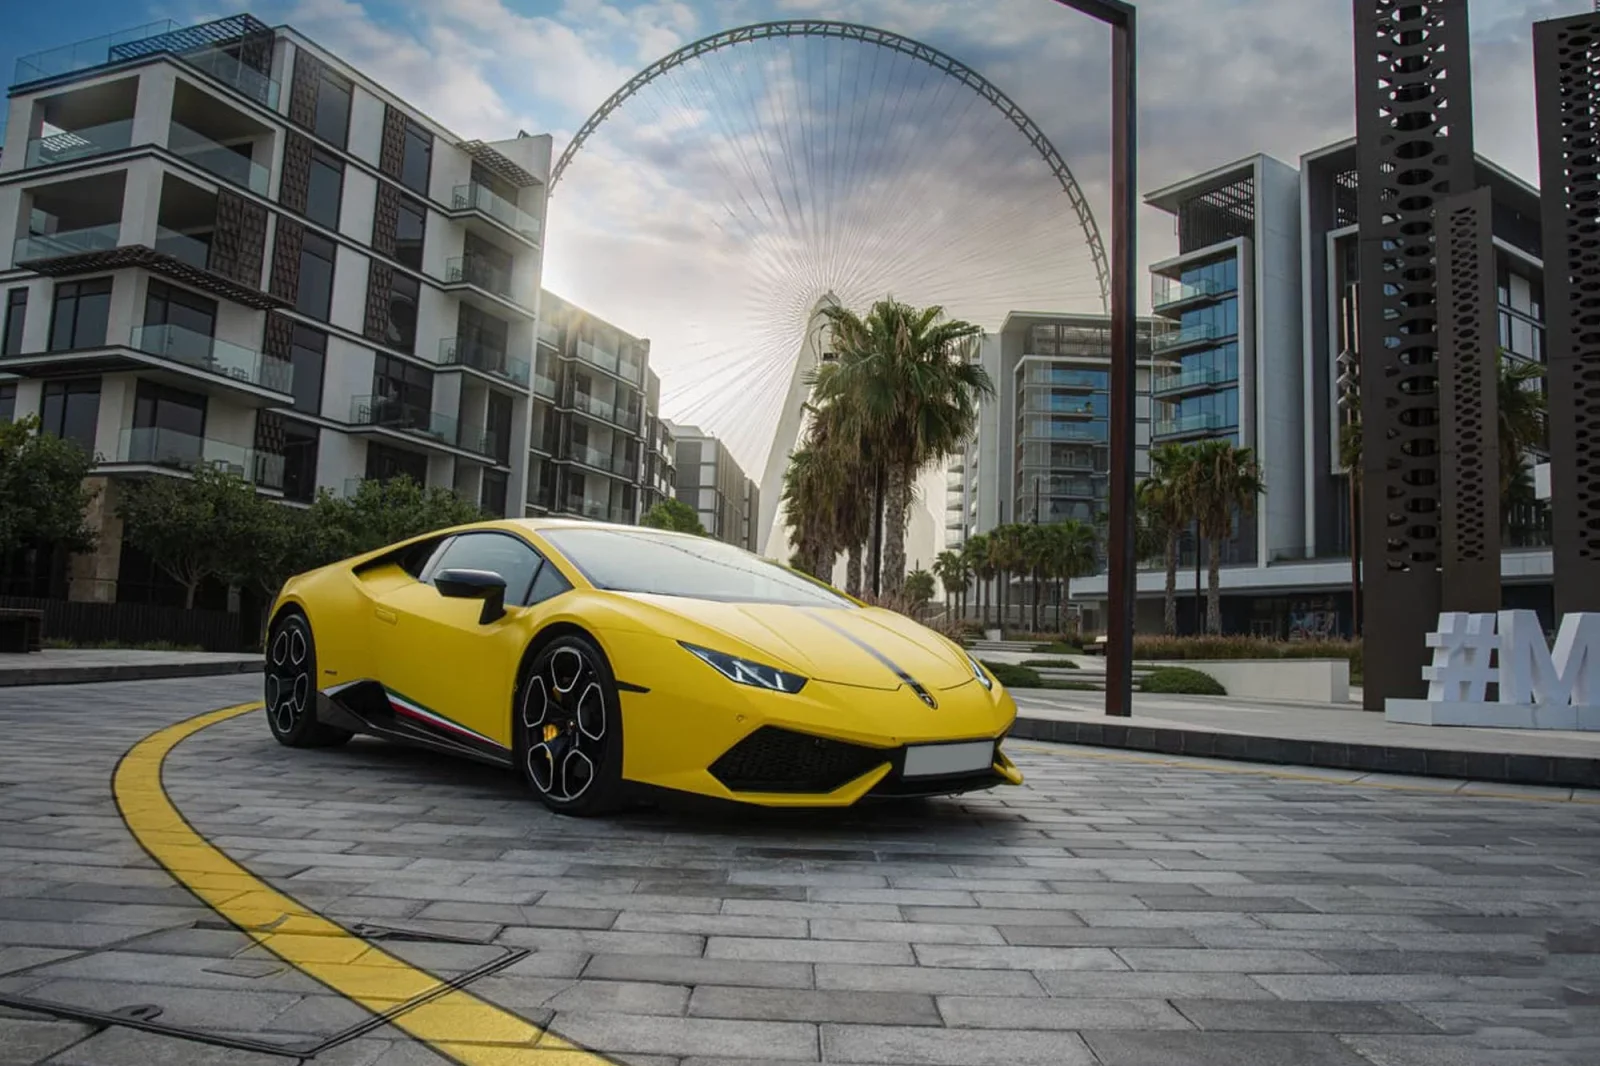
567, 728
291, 687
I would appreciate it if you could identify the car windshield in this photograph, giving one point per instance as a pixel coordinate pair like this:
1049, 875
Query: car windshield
678, 564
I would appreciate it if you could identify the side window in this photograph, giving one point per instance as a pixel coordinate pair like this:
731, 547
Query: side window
547, 585
499, 553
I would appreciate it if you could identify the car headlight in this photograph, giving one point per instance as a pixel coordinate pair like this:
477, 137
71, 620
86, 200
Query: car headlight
746, 672
983, 675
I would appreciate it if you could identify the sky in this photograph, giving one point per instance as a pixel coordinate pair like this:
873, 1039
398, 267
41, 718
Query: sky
652, 227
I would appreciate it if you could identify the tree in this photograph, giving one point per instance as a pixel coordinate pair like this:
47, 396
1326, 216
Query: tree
954, 570
673, 514
380, 513
42, 492
976, 552
1005, 557
1071, 551
906, 395
195, 528
1165, 509
919, 589
826, 504
1220, 481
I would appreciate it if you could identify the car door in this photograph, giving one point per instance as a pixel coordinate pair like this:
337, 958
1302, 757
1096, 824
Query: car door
445, 668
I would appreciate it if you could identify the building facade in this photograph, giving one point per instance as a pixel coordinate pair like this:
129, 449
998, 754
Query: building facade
710, 481
1263, 295
594, 429
221, 245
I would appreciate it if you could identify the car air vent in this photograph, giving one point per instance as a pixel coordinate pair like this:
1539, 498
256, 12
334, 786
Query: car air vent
778, 760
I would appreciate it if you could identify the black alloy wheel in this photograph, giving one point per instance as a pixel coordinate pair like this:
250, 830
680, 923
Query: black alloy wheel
568, 728
291, 687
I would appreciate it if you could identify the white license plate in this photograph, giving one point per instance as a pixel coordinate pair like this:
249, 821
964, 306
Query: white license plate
934, 760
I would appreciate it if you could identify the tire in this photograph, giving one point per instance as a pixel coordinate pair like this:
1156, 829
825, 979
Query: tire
291, 688
567, 728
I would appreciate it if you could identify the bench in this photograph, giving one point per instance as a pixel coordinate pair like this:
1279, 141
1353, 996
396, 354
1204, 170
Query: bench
21, 630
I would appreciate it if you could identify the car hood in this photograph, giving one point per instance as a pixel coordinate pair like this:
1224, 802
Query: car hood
865, 647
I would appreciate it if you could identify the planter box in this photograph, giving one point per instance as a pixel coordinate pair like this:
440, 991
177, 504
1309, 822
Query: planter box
1300, 680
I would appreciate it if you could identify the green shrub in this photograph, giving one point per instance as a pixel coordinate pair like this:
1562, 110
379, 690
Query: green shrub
1181, 681
1057, 648
1051, 664
1158, 648
1013, 676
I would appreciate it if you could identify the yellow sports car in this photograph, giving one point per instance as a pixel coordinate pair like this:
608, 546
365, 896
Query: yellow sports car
603, 661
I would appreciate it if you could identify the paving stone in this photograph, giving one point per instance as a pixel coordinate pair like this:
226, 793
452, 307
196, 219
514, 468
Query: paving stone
773, 1004
1305, 1017
905, 932
1452, 1051
124, 1047
1220, 1049
1066, 936
1017, 958
1456, 962
677, 970
529, 995
991, 915
27, 1040
952, 1047
782, 950
985, 1012
603, 942
1133, 985
722, 925
1224, 960
927, 979
687, 1036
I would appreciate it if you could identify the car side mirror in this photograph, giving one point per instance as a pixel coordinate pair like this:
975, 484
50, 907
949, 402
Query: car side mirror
485, 585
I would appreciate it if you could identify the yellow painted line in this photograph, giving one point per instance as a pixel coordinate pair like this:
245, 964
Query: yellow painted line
1045, 748
455, 1023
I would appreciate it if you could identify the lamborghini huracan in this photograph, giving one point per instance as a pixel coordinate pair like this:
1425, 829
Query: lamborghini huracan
604, 662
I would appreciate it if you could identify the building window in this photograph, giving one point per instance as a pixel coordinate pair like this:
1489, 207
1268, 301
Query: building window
418, 158
401, 332
82, 309
169, 410
493, 499
408, 234
299, 461
8, 401
308, 353
386, 464
165, 305
401, 383
315, 297
324, 189
71, 410
499, 427
16, 315
332, 123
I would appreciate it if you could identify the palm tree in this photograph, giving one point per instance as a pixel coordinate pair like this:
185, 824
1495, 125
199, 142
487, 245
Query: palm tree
1165, 507
1220, 480
910, 398
953, 570
976, 550
826, 507
1005, 555
1036, 549
1072, 553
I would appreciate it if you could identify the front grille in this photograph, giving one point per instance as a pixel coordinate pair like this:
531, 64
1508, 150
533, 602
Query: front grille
777, 760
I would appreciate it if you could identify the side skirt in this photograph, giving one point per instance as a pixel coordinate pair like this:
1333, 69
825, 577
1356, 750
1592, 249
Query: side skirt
368, 707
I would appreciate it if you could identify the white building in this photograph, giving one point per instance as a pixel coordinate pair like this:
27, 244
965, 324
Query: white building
222, 245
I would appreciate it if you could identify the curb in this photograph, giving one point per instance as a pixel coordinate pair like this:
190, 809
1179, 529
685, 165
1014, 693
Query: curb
1556, 771
85, 675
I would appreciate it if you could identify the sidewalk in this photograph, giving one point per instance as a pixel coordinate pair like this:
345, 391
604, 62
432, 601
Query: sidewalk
1340, 737
65, 667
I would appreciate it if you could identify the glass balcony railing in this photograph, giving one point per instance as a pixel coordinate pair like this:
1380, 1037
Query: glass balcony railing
460, 351
184, 451
406, 418
476, 197
544, 386
82, 55
582, 401
1043, 430
66, 242
479, 440
1165, 291
68, 145
479, 273
1204, 422
1190, 379
600, 511
220, 160
229, 71
595, 356
1199, 333
1065, 379
196, 253
1075, 406
630, 368
549, 334
186, 346
591, 456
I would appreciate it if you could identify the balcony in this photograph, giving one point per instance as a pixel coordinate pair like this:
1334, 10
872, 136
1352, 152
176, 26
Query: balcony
620, 465
181, 246
549, 334
168, 448
1197, 335
461, 352
597, 357
381, 412
597, 510
1042, 430
1188, 425
1065, 406
544, 386
179, 345
606, 412
1190, 381
68, 145
1057, 378
219, 159
479, 441
67, 242
479, 273
482, 199
225, 68
1168, 293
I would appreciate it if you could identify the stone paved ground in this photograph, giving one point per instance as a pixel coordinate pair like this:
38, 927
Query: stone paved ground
1114, 911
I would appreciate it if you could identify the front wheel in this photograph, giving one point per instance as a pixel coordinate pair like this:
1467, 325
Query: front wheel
291, 687
567, 728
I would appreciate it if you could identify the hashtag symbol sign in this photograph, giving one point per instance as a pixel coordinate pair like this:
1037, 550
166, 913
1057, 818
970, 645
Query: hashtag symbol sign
1463, 664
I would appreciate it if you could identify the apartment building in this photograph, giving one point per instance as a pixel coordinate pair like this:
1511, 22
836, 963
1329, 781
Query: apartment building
1262, 295
595, 439
1043, 448
660, 481
221, 245
710, 481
